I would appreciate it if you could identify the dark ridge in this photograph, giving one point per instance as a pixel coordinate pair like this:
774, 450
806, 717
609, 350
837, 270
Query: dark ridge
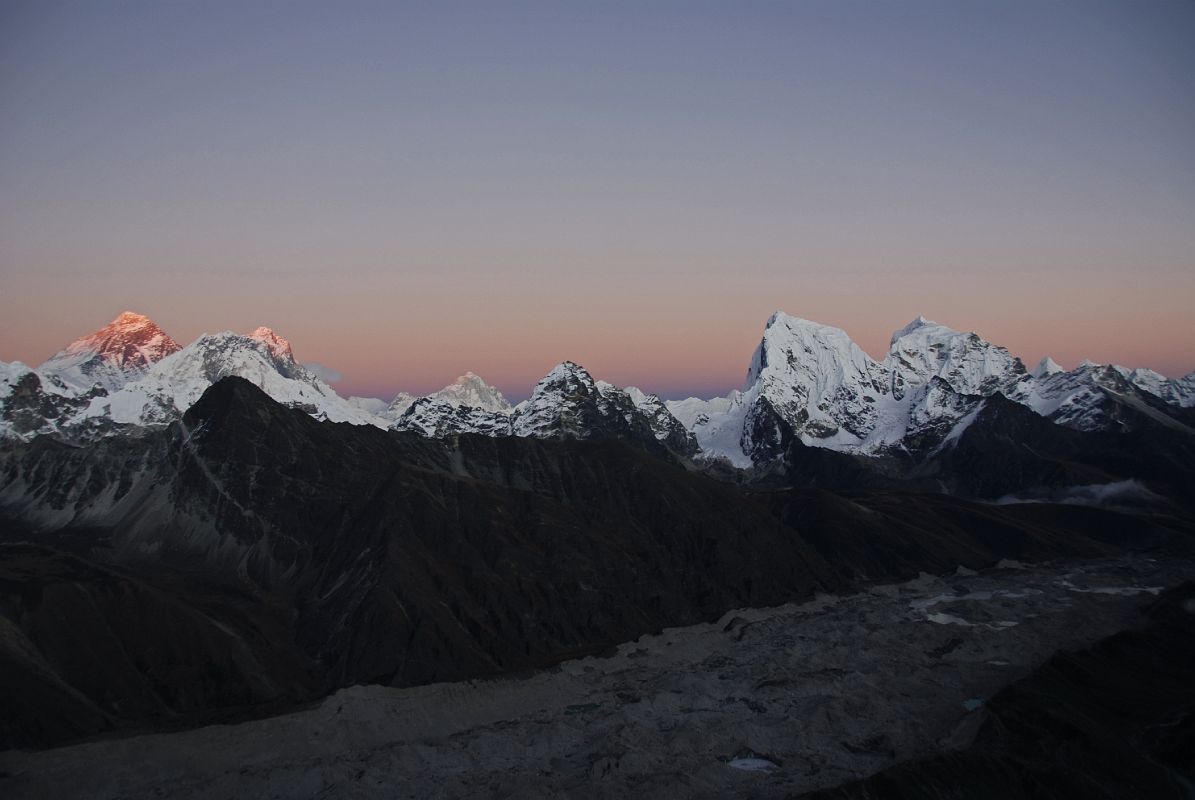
1010, 448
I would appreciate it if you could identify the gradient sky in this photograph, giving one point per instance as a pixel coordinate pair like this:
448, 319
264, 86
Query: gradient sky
411, 191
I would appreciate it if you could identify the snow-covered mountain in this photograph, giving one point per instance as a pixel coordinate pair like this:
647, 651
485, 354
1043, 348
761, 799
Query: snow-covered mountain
370, 405
814, 379
112, 356
1176, 391
471, 391
280, 349
398, 406
566, 404
810, 382
172, 385
1047, 366
806, 382
668, 429
140, 392
1098, 397
967, 363
468, 391
467, 405
438, 418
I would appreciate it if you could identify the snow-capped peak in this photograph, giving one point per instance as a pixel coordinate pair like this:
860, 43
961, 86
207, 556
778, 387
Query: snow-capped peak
814, 379
398, 406
131, 319
811, 382
788, 340
279, 348
471, 391
567, 370
919, 322
1047, 366
568, 403
967, 362
113, 355
567, 378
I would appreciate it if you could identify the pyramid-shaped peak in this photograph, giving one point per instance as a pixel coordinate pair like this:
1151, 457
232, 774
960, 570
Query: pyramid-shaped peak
131, 339
112, 355
566, 374
923, 325
472, 391
1047, 366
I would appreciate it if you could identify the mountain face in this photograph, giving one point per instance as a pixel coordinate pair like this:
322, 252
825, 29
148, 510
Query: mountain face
112, 356
466, 397
398, 406
1177, 391
923, 350
668, 429
430, 416
1094, 397
810, 381
568, 403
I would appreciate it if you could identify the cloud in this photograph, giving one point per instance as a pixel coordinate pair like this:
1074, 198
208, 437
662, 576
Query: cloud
1119, 495
326, 374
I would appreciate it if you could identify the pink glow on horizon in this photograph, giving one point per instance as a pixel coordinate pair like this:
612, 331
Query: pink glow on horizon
684, 347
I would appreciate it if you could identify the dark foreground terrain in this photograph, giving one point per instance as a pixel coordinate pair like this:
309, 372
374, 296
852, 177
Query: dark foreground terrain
249, 561
764, 703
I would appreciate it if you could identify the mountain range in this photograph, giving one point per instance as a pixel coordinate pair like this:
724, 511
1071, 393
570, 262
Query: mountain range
806, 382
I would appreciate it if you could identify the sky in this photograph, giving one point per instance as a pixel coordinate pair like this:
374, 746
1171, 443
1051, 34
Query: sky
410, 191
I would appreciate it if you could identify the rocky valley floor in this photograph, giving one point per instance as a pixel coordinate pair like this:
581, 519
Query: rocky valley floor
763, 703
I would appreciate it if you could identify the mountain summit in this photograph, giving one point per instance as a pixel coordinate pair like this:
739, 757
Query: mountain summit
112, 356
471, 391
279, 348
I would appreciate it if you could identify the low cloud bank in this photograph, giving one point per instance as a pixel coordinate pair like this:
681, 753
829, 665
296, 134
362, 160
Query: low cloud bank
1120, 494
325, 374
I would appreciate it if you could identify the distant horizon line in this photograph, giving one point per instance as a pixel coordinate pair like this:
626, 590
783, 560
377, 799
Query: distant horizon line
679, 391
